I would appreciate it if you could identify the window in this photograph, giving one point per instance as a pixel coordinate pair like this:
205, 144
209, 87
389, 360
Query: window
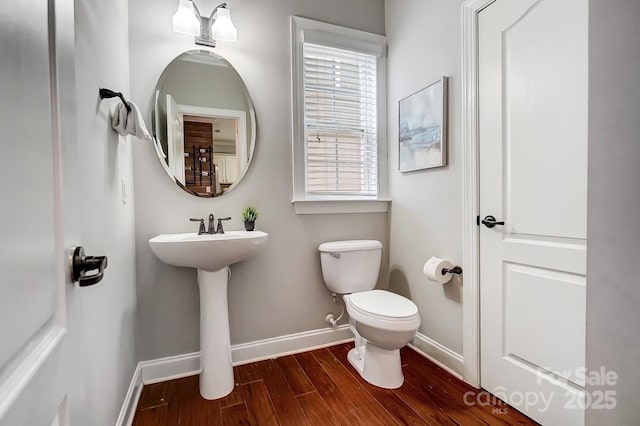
339, 141
340, 123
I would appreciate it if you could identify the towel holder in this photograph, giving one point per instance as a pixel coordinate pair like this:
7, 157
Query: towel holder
107, 93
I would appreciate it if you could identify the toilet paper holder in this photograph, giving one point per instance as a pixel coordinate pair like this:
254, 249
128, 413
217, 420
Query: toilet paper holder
455, 270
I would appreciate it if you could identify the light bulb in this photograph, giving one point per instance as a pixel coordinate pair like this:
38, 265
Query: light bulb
223, 28
185, 20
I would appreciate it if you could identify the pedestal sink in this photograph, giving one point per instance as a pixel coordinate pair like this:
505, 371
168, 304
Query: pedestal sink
211, 255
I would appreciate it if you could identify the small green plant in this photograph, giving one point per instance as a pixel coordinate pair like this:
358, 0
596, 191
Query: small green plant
250, 214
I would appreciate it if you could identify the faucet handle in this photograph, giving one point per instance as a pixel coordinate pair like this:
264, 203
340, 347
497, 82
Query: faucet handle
202, 229
219, 229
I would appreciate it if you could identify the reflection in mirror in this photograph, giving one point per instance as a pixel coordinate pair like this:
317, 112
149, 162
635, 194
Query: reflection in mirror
204, 123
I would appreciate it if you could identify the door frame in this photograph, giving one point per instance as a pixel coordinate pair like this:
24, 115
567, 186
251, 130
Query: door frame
242, 149
471, 191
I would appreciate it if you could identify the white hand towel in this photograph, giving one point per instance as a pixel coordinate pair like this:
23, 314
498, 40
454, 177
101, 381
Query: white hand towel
119, 119
129, 122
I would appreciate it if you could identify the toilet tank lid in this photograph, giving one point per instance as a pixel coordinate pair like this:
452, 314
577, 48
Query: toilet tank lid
350, 245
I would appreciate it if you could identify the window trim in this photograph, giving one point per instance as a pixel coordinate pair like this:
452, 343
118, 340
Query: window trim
343, 38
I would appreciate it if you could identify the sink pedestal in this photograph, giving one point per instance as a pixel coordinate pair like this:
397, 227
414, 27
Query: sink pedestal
211, 252
216, 378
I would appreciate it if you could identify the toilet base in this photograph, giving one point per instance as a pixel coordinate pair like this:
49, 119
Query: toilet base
380, 367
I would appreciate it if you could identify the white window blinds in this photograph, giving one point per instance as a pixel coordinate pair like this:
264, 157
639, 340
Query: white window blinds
340, 121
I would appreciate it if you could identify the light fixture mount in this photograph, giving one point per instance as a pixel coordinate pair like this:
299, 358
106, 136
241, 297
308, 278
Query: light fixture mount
217, 26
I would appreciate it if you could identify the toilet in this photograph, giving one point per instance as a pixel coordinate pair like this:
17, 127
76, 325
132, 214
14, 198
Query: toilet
382, 322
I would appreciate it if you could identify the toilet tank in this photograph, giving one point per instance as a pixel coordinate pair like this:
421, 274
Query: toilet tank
350, 266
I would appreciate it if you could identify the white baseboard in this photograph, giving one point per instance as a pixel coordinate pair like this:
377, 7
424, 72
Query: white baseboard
439, 354
170, 368
175, 367
128, 410
259, 350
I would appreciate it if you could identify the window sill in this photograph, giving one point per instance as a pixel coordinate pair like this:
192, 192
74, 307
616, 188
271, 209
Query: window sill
341, 206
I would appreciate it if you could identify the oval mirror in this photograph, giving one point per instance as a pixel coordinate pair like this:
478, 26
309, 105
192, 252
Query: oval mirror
204, 123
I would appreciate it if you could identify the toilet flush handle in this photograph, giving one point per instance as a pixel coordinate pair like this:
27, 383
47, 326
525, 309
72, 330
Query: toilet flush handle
336, 255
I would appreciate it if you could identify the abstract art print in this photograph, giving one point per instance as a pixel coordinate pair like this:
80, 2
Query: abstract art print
423, 128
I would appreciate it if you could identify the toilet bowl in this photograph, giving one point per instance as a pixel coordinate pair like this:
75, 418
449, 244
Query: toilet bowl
382, 321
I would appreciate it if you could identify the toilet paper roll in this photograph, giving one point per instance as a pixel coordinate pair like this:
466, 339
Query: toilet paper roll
433, 269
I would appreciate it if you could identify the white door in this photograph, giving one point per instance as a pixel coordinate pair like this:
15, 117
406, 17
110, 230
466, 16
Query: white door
33, 371
533, 176
175, 137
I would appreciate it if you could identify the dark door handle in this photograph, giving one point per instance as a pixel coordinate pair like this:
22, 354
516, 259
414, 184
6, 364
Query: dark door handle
490, 222
81, 265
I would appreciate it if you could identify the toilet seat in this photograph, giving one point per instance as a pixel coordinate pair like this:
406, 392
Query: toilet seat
383, 304
383, 309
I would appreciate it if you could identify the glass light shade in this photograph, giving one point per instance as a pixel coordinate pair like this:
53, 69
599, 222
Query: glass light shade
184, 20
223, 28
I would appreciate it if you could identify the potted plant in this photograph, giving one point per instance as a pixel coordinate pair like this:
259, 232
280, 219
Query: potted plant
249, 216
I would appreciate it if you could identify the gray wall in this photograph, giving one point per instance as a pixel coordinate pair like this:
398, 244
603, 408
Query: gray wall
613, 299
280, 291
101, 318
426, 218
215, 86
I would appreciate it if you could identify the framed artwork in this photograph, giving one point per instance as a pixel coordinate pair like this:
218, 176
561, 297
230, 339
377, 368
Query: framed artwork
423, 128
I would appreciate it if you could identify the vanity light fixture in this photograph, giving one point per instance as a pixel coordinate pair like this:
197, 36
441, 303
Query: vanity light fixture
218, 26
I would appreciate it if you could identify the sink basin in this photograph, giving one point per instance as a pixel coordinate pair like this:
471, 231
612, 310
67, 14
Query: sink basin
209, 252
211, 255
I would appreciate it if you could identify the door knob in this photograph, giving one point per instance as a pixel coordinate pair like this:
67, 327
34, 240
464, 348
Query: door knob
490, 222
82, 265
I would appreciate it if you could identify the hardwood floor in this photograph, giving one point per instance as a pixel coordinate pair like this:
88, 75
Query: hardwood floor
322, 388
